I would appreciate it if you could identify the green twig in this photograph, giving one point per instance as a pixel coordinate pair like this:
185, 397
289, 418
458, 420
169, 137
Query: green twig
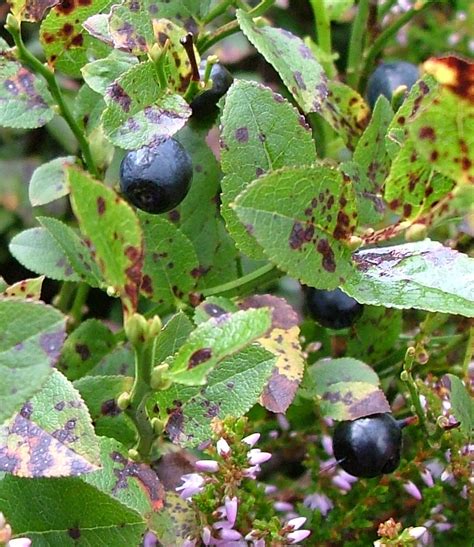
356, 44
79, 302
323, 32
407, 378
469, 353
382, 41
29, 59
385, 8
207, 41
253, 279
63, 298
217, 11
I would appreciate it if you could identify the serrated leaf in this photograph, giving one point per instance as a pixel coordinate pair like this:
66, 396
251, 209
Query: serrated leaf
213, 306
135, 485
27, 288
302, 217
48, 182
100, 393
31, 10
73, 517
443, 130
346, 389
38, 251
172, 336
176, 522
78, 254
232, 388
114, 231
461, 403
131, 29
63, 38
282, 340
84, 348
32, 336
198, 215
251, 146
170, 261
374, 162
99, 74
215, 340
139, 112
51, 436
423, 275
24, 98
120, 361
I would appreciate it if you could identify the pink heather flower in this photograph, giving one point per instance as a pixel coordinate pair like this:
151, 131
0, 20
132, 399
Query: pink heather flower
231, 505
231, 535
341, 483
251, 440
299, 535
270, 489
417, 532
443, 526
259, 543
326, 443
411, 488
283, 506
319, 502
19, 542
251, 472
296, 523
223, 448
255, 456
208, 466
427, 478
347, 476
192, 484
222, 525
150, 540
189, 543
206, 535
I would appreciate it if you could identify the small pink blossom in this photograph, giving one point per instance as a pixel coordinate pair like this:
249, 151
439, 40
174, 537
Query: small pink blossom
427, 478
208, 466
283, 506
192, 484
296, 523
319, 502
231, 505
223, 448
251, 440
411, 488
255, 456
299, 535
231, 535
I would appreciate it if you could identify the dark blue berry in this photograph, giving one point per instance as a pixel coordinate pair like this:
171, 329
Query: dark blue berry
156, 178
333, 309
205, 103
387, 77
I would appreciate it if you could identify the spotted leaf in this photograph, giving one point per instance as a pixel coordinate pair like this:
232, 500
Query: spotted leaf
113, 229
28, 288
251, 146
25, 101
51, 436
31, 10
423, 275
177, 521
303, 217
32, 337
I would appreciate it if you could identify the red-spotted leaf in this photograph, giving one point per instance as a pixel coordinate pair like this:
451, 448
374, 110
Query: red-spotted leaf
131, 29
28, 288
346, 389
32, 337
423, 275
113, 229
24, 98
64, 40
443, 130
99, 74
177, 521
214, 306
170, 264
51, 436
283, 341
215, 340
251, 146
303, 217
31, 10
139, 112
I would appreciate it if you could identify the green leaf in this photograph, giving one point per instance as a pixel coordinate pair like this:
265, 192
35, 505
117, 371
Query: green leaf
134, 484
99, 74
113, 228
232, 388
423, 275
213, 306
32, 336
48, 182
461, 403
25, 99
213, 341
52, 435
346, 389
170, 261
78, 253
373, 159
302, 217
139, 112
73, 515
292, 59
100, 393
198, 215
27, 288
120, 361
84, 348
65, 43
172, 336
251, 146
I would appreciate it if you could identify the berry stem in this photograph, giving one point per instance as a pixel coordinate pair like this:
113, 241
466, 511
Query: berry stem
35, 64
407, 378
262, 275
323, 32
356, 44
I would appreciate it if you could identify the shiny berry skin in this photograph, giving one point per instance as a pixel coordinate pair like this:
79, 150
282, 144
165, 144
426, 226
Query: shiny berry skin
333, 309
369, 446
387, 77
205, 103
156, 178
